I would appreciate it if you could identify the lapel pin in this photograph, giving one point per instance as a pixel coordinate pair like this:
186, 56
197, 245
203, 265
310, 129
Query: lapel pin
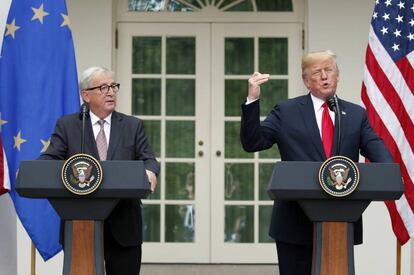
343, 113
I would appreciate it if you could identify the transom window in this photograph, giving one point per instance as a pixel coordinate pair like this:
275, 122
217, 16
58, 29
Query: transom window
222, 5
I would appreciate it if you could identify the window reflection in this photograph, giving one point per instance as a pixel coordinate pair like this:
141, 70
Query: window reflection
239, 181
179, 181
159, 5
180, 219
238, 224
146, 5
151, 223
235, 235
180, 223
188, 211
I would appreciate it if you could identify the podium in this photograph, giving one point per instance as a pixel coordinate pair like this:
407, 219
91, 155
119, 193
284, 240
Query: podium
333, 252
83, 215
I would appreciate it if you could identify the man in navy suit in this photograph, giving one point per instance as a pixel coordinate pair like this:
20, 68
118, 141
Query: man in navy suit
295, 125
121, 137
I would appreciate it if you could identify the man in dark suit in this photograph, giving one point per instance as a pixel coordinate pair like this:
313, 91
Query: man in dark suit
298, 126
109, 135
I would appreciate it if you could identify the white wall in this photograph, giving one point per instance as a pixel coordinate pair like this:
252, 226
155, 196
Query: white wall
8, 236
7, 213
342, 26
91, 23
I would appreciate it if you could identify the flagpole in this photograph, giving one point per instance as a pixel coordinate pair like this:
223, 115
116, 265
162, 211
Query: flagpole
398, 258
33, 260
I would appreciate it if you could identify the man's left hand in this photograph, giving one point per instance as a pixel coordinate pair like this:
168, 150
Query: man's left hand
152, 178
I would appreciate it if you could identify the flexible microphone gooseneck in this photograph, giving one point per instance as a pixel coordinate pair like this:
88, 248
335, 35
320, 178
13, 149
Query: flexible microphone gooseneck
84, 113
333, 105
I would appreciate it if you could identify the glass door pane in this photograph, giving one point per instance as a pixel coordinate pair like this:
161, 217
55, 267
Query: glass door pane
164, 70
241, 205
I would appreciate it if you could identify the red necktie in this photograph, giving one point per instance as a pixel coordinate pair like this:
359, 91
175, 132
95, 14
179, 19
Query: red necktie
327, 130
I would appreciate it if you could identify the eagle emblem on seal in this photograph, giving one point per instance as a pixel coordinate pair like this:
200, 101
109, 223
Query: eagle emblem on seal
82, 174
339, 176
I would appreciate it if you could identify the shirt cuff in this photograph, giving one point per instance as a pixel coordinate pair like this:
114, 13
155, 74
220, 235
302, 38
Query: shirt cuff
248, 100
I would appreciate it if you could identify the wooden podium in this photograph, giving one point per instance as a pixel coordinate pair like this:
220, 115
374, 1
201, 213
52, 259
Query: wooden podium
333, 252
83, 216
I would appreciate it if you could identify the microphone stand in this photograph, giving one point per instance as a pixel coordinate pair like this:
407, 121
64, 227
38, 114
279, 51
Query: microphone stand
333, 105
83, 114
338, 120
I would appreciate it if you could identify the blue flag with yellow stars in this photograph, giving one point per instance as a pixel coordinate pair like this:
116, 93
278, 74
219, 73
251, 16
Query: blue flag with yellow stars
38, 84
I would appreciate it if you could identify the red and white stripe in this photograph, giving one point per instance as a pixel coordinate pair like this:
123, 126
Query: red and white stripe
387, 93
4, 171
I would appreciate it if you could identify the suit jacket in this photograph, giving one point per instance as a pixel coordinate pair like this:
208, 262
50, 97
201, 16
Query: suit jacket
292, 126
128, 141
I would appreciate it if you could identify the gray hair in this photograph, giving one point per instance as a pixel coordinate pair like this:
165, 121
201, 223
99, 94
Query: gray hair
86, 76
310, 58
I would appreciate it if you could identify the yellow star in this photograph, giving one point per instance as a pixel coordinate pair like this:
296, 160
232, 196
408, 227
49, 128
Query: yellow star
39, 14
11, 28
66, 21
46, 144
2, 122
18, 141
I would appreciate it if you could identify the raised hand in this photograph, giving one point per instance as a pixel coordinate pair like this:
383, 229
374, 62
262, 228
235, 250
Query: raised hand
254, 84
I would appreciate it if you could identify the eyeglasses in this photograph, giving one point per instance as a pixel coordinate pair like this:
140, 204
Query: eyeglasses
105, 88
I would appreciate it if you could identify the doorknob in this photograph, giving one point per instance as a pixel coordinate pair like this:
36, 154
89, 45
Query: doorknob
218, 153
200, 153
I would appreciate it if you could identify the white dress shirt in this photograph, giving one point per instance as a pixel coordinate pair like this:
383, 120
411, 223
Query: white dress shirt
317, 105
96, 127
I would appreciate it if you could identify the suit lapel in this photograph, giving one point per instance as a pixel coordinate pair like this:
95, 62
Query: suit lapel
309, 119
116, 130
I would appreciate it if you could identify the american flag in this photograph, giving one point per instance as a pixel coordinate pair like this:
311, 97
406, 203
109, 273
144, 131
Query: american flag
387, 93
4, 171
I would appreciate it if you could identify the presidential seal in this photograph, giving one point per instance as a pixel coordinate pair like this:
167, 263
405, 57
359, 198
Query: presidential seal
339, 176
81, 174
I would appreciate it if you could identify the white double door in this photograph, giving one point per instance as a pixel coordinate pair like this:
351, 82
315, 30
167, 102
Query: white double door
187, 82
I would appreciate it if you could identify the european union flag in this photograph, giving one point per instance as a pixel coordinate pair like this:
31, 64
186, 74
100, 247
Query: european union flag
38, 84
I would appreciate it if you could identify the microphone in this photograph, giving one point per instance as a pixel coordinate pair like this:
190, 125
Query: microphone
333, 105
330, 100
84, 113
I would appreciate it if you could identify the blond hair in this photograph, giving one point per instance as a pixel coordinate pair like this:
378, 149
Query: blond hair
310, 58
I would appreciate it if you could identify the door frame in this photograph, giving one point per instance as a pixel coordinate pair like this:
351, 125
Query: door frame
214, 251
198, 251
230, 252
